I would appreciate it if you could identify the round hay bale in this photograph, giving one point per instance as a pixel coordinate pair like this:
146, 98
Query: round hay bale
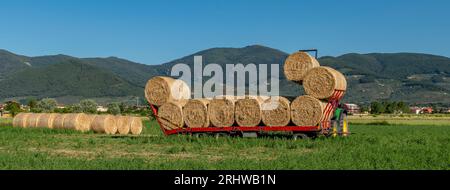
160, 90
58, 122
195, 113
221, 112
46, 120
248, 112
298, 64
77, 121
171, 114
276, 111
321, 82
104, 124
33, 119
307, 111
20, 120
90, 120
136, 125
123, 125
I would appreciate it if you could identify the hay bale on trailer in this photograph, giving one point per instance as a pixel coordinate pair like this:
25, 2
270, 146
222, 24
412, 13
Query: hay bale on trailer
136, 125
221, 111
33, 119
160, 90
104, 124
195, 113
46, 120
123, 124
20, 120
321, 82
171, 114
248, 111
276, 111
77, 121
298, 64
307, 111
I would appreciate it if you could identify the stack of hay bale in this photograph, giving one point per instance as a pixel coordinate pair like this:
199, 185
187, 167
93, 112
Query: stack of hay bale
319, 83
177, 110
107, 124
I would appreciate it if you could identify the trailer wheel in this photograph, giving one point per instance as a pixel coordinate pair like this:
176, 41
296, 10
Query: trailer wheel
298, 136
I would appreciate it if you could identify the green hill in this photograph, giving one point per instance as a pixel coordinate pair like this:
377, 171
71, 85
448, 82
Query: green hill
410, 77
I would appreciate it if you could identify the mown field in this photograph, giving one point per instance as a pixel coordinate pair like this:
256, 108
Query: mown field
374, 146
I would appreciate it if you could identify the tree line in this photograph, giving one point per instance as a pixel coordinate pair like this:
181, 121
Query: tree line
89, 106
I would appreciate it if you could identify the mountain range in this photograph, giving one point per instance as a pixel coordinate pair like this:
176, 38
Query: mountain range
410, 77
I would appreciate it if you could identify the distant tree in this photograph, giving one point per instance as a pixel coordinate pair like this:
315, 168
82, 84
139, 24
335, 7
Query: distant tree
75, 108
364, 109
123, 108
403, 107
47, 105
88, 106
376, 108
390, 107
32, 103
114, 108
13, 108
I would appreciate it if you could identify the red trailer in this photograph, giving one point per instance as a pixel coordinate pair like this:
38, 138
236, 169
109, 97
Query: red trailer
333, 123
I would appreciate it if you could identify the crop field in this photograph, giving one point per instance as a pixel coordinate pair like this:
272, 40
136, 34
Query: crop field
372, 146
406, 119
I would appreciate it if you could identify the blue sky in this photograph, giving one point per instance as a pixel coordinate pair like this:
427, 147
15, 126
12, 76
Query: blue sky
154, 32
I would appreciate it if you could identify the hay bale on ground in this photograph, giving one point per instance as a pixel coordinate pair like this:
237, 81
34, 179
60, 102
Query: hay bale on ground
221, 111
160, 90
298, 64
195, 113
171, 114
77, 121
123, 125
104, 124
20, 120
136, 125
248, 111
276, 111
58, 122
321, 82
307, 111
46, 120
33, 119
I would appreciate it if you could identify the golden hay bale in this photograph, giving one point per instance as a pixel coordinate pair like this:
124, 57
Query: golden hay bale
195, 113
33, 119
321, 82
20, 120
90, 119
136, 125
307, 111
221, 111
171, 114
46, 120
160, 90
104, 124
77, 121
58, 122
123, 125
298, 64
276, 111
248, 111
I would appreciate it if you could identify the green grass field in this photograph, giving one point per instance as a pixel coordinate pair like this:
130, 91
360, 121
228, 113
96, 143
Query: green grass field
370, 147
